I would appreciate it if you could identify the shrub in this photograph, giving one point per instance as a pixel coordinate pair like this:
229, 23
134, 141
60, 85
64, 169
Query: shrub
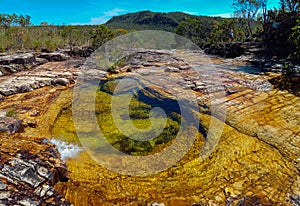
11, 112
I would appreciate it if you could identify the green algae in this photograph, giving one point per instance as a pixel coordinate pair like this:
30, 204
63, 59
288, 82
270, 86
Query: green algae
126, 140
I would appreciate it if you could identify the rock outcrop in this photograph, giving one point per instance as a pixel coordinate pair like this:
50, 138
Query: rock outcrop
29, 170
54, 57
10, 124
25, 58
52, 73
10, 64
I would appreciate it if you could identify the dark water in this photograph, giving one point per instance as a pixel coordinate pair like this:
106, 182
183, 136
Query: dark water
245, 69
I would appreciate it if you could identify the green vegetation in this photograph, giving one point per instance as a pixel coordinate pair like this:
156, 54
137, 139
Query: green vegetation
295, 40
282, 32
200, 29
276, 29
147, 20
101, 35
17, 34
139, 117
11, 112
248, 9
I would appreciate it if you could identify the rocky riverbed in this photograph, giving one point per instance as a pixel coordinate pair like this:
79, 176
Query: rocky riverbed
256, 160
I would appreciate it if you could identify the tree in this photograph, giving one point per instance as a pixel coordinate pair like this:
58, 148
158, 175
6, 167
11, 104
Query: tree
191, 29
120, 32
101, 35
248, 9
72, 34
289, 5
44, 23
24, 21
295, 40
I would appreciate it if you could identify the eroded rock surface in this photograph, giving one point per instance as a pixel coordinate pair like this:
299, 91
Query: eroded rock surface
29, 170
10, 124
48, 74
54, 57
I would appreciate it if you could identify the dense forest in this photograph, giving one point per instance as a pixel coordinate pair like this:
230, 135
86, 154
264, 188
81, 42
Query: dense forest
278, 30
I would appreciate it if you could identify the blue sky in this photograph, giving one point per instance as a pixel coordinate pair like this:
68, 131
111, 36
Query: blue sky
99, 11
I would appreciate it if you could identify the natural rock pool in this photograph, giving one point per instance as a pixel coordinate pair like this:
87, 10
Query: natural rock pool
255, 160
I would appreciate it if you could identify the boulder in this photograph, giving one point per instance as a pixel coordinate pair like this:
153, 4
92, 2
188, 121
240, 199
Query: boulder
10, 124
7, 69
54, 57
92, 74
25, 58
40, 61
24, 88
61, 81
170, 69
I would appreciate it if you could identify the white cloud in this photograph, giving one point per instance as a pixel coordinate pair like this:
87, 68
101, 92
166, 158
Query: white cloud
106, 16
102, 19
113, 12
190, 12
99, 20
226, 15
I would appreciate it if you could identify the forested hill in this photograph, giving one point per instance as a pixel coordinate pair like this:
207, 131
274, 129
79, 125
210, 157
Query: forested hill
153, 20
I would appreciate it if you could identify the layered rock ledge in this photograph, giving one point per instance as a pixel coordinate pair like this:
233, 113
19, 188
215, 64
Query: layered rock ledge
29, 170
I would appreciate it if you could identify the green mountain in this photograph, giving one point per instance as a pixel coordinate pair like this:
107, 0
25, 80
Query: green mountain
144, 20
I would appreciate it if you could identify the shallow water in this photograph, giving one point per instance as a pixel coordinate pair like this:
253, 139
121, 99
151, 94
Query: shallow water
244, 167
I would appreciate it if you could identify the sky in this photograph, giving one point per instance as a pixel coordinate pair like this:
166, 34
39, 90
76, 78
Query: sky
99, 11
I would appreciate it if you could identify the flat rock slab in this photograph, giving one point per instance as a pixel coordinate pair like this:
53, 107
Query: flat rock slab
26, 58
54, 57
51, 73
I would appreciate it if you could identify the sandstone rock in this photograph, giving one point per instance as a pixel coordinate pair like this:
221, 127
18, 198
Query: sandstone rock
23, 171
7, 69
295, 200
54, 57
40, 61
29, 169
170, 69
24, 88
61, 81
243, 200
29, 174
187, 67
93, 74
10, 124
26, 58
